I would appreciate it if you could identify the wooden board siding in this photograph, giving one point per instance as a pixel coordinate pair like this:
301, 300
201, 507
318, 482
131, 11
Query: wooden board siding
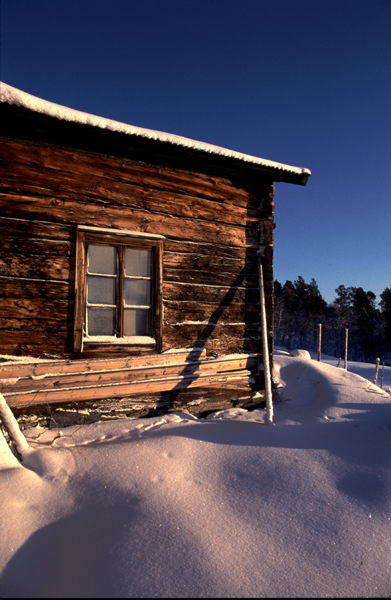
198, 401
73, 166
14, 369
28, 385
213, 227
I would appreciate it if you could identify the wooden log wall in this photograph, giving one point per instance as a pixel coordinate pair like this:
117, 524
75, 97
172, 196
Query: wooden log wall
59, 382
213, 228
66, 392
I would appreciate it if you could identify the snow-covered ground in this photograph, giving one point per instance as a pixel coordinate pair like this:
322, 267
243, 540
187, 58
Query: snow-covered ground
366, 370
227, 506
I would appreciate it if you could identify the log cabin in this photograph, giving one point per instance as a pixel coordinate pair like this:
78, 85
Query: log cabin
130, 266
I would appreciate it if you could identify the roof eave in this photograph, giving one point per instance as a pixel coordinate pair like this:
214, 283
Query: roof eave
278, 171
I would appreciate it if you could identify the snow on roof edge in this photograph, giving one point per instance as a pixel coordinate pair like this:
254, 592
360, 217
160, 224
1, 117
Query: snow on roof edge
12, 95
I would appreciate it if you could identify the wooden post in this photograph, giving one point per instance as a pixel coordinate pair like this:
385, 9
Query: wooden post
346, 349
376, 370
319, 341
265, 348
382, 374
17, 438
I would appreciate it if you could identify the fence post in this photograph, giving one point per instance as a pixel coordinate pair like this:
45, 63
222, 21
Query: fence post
346, 349
376, 370
319, 341
382, 373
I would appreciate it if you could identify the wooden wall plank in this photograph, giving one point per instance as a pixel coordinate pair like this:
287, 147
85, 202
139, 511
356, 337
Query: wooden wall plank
40, 343
46, 266
12, 307
22, 228
177, 312
78, 212
227, 345
210, 262
195, 184
197, 401
218, 295
200, 277
133, 373
89, 188
26, 399
34, 289
210, 249
65, 367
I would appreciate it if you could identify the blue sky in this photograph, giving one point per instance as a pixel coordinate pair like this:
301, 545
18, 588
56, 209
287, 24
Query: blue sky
303, 82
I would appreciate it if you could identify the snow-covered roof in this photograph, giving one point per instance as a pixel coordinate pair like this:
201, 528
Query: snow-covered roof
12, 95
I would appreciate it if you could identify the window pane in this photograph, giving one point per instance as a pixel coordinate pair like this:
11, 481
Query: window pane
136, 322
100, 290
102, 259
138, 262
138, 291
100, 321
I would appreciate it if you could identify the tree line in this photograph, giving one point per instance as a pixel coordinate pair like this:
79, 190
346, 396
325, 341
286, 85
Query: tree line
299, 308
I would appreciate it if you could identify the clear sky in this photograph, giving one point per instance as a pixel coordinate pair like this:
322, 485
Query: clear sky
304, 82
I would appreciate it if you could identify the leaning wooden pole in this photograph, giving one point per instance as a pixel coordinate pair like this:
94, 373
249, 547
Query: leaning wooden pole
265, 347
17, 438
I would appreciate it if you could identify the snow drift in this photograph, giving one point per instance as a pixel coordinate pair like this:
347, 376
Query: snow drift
227, 506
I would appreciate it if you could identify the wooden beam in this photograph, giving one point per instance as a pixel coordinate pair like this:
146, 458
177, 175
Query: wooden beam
123, 375
168, 384
41, 368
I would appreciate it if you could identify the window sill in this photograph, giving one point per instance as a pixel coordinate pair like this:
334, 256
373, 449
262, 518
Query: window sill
114, 346
139, 340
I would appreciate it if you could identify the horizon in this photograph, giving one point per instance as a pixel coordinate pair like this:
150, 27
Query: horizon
291, 83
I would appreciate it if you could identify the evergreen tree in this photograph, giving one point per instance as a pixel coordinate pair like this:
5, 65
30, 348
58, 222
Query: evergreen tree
385, 306
342, 319
299, 308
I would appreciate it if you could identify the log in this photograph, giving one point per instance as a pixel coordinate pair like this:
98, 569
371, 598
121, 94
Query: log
27, 180
209, 250
187, 310
228, 345
90, 213
52, 325
121, 375
13, 264
212, 277
197, 401
41, 368
208, 261
27, 308
36, 343
26, 399
218, 295
36, 230
124, 170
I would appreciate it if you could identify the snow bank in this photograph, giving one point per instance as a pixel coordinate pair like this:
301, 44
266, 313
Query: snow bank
177, 506
300, 353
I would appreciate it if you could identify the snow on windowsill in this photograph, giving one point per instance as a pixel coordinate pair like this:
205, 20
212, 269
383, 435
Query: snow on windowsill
108, 339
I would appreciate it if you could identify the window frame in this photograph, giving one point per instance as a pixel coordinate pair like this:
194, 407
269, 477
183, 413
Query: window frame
122, 239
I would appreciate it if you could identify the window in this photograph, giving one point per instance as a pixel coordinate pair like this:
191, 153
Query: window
118, 290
